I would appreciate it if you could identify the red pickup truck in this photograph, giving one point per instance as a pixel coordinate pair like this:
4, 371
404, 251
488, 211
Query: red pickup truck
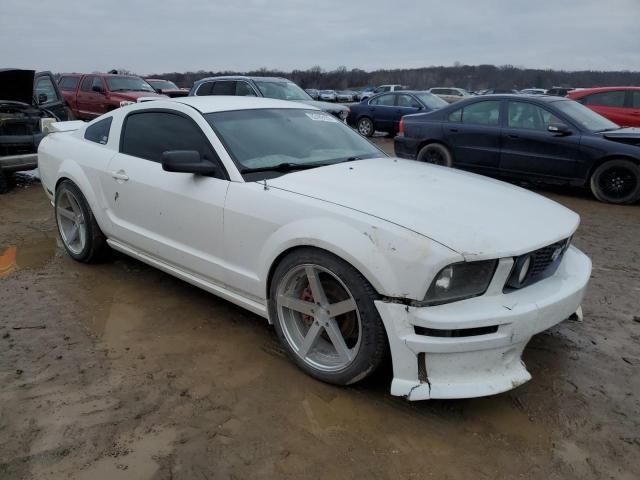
91, 95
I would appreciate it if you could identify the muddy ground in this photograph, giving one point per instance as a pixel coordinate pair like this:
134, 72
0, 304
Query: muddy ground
119, 371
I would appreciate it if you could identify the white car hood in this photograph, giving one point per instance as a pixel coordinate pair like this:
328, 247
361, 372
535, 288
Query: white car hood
476, 216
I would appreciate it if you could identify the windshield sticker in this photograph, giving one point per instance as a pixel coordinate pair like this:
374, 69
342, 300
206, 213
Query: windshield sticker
321, 117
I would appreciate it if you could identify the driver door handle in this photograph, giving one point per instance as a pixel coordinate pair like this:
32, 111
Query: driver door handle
120, 175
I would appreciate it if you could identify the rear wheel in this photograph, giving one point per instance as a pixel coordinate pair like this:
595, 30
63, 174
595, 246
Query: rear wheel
324, 315
436, 154
365, 127
616, 181
81, 236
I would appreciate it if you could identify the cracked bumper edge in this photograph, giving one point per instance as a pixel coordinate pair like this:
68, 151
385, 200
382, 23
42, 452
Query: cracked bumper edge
475, 366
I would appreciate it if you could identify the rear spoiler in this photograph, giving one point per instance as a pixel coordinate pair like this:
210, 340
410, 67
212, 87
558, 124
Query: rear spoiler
59, 127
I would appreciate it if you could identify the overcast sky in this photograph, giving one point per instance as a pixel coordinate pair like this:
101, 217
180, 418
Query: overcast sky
154, 36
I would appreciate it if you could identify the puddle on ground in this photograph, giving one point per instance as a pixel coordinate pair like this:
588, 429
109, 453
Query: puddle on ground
33, 253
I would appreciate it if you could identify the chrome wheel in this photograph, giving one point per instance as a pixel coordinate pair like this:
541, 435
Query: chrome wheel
71, 222
319, 317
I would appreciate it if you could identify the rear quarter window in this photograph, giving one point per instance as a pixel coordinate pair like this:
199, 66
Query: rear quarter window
99, 131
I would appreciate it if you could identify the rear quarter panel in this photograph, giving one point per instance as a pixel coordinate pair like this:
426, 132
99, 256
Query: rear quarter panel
67, 155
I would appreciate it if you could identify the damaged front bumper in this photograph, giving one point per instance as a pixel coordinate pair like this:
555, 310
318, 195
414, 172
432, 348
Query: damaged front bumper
473, 348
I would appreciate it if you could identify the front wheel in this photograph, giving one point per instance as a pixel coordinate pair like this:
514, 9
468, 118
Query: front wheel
616, 181
324, 315
365, 127
436, 154
80, 234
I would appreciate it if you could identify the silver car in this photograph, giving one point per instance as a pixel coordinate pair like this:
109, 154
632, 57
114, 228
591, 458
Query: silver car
450, 94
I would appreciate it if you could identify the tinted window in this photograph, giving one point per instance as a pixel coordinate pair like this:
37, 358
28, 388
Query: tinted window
45, 86
530, 116
86, 84
407, 101
224, 88
99, 131
482, 113
69, 83
205, 89
97, 83
456, 116
438, 91
243, 89
384, 100
635, 99
148, 134
606, 99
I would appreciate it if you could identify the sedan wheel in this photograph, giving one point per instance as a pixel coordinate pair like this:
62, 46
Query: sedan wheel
365, 127
324, 314
436, 154
616, 181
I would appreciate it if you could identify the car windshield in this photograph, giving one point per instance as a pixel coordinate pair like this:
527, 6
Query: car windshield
585, 117
128, 84
432, 101
282, 90
163, 84
272, 138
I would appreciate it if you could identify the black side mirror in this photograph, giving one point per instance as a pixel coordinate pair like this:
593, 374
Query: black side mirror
559, 129
187, 161
42, 98
97, 89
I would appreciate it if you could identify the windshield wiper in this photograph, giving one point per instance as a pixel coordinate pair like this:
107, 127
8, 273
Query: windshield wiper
283, 167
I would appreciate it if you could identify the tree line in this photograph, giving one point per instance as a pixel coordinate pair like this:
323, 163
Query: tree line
471, 77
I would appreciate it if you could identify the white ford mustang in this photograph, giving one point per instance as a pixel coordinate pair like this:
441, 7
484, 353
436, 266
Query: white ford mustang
287, 212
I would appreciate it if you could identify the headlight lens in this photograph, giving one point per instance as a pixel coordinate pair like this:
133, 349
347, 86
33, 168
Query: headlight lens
459, 281
124, 103
343, 114
45, 122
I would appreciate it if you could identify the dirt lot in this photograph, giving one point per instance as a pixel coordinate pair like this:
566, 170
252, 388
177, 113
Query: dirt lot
118, 371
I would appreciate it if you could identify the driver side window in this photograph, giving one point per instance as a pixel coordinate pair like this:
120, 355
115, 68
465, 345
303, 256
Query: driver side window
148, 134
530, 117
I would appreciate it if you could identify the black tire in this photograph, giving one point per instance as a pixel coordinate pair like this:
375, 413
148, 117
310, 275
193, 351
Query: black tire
373, 341
435, 153
365, 127
5, 182
616, 181
95, 248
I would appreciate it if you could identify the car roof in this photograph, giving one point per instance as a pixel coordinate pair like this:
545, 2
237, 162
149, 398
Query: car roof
223, 103
244, 77
588, 91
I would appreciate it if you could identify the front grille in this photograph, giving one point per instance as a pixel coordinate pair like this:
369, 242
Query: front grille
544, 263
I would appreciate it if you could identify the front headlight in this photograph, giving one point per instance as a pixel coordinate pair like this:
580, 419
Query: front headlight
343, 114
459, 281
45, 123
124, 103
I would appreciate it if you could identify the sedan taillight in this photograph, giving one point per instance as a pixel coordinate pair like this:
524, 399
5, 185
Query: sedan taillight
401, 127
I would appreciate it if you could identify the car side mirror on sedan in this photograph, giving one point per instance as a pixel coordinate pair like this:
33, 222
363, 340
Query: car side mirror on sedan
559, 129
42, 98
187, 161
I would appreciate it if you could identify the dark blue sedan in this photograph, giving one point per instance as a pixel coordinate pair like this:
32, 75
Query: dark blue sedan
383, 112
529, 137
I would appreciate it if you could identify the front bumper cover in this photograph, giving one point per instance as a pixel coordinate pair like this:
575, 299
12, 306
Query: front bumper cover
427, 367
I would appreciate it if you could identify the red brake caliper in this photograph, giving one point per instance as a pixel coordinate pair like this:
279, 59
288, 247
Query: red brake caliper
307, 296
